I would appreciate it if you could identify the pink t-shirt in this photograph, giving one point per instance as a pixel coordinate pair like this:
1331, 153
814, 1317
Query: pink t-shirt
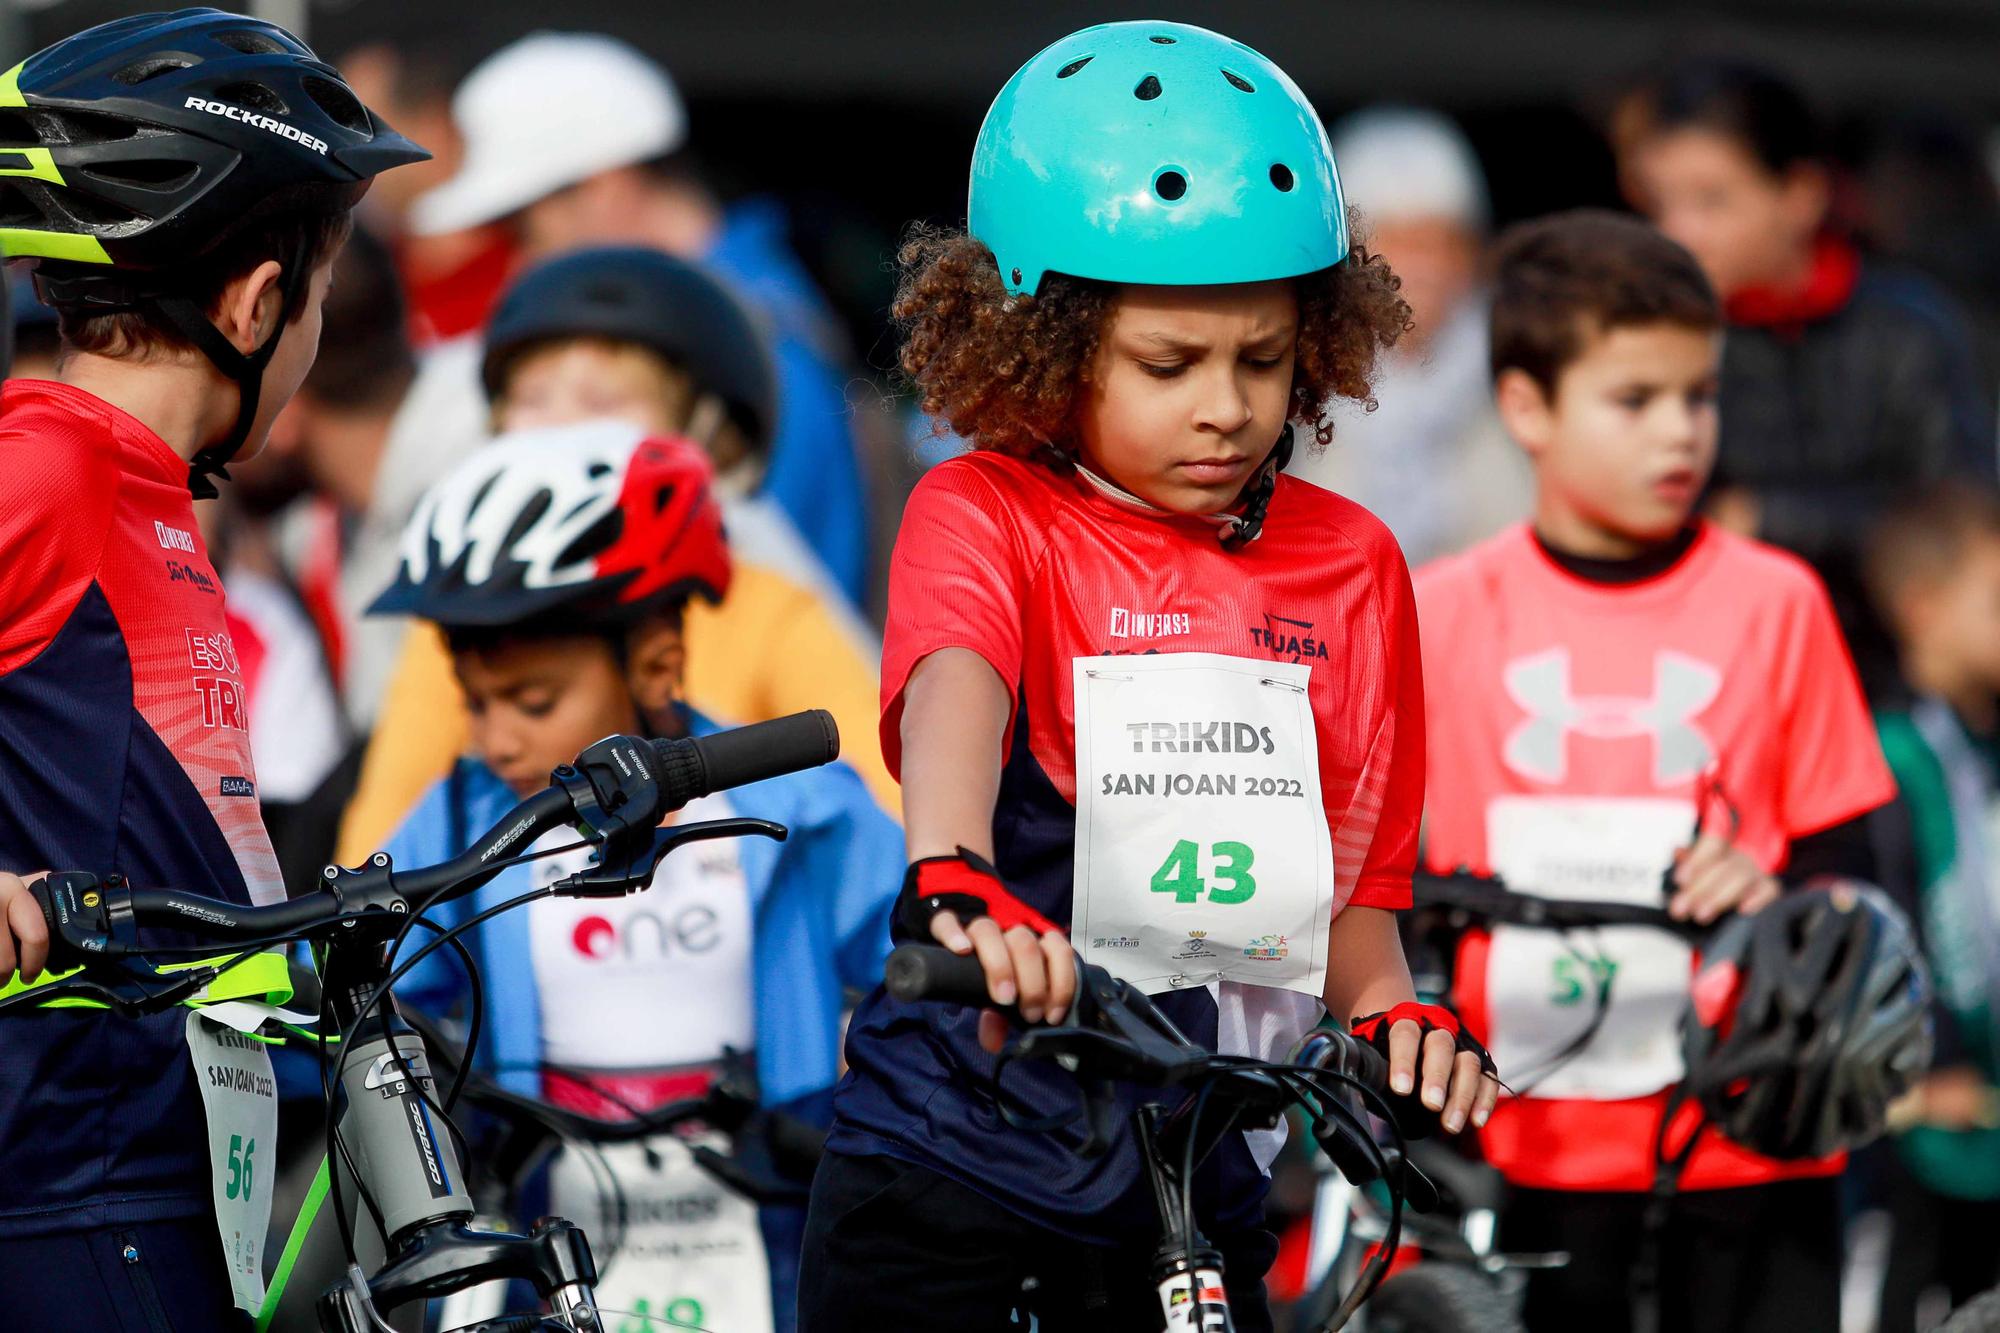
1554, 699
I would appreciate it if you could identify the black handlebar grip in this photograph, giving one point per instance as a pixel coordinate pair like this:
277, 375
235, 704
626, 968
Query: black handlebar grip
932, 972
1369, 1064
796, 1145
744, 755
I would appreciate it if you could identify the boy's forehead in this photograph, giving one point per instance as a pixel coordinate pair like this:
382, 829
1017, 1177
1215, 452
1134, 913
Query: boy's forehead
503, 661
1656, 351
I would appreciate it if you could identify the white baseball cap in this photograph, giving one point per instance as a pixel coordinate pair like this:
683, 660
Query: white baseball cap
553, 109
1402, 164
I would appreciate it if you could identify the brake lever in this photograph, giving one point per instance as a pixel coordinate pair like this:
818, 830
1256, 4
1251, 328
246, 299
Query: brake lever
127, 986
626, 864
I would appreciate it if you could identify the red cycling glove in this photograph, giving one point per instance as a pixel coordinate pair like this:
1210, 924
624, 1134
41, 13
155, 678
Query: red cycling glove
966, 886
1412, 1117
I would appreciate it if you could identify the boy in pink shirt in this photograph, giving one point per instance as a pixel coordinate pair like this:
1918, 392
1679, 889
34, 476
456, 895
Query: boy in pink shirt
1617, 692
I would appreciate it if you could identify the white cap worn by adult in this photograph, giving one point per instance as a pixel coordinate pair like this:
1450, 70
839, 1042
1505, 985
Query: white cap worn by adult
1402, 164
553, 109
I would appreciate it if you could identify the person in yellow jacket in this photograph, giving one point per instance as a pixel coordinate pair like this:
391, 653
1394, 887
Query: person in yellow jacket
636, 335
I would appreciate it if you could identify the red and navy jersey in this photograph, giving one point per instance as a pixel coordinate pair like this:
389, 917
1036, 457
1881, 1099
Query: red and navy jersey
1032, 570
123, 735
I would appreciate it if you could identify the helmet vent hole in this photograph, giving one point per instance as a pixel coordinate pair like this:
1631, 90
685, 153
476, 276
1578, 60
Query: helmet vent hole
147, 174
251, 43
16, 131
1171, 185
143, 70
1238, 82
1163, 41
255, 96
1148, 89
1281, 176
340, 105
1073, 66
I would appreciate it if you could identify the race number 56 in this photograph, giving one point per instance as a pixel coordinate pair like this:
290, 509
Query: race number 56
240, 1170
1228, 881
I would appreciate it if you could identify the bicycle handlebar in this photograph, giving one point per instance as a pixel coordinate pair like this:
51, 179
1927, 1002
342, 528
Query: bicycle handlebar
916, 972
618, 791
1489, 898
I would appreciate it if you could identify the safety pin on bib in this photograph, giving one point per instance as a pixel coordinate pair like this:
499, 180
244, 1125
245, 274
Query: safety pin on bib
1104, 675
1283, 685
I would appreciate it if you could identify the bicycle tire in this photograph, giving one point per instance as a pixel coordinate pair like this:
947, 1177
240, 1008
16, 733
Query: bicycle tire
1440, 1298
1981, 1314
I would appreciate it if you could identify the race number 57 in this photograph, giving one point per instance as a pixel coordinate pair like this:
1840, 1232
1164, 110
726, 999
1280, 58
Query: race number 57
1228, 881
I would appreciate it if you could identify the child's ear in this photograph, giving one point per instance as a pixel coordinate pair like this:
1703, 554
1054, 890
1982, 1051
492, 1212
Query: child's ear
655, 663
252, 306
1524, 410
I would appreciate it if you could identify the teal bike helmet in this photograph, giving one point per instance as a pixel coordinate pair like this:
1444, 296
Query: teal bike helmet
1154, 153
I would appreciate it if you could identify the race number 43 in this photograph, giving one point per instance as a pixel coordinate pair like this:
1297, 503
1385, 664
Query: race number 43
1228, 881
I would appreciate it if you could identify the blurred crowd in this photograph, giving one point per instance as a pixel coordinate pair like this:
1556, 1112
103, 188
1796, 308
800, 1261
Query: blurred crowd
515, 281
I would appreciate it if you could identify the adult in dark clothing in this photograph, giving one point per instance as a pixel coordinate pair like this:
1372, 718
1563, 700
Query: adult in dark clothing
1845, 383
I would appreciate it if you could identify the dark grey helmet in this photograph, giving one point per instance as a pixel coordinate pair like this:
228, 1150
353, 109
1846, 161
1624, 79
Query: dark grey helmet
1807, 1019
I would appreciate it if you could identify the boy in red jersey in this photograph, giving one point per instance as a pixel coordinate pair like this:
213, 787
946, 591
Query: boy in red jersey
185, 238
1617, 692
1136, 681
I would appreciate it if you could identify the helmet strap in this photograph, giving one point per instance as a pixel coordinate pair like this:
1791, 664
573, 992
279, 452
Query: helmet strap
1646, 1313
1249, 521
245, 371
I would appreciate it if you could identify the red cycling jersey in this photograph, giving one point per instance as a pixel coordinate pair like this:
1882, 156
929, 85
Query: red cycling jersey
1564, 710
1033, 570
123, 734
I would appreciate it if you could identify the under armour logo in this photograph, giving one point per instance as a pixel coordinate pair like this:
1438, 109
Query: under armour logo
1682, 688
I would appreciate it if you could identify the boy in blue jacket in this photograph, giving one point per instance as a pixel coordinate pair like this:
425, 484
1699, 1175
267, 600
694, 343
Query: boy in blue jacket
558, 563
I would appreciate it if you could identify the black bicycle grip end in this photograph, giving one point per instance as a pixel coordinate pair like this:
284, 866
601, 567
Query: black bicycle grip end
796, 1144
744, 755
932, 972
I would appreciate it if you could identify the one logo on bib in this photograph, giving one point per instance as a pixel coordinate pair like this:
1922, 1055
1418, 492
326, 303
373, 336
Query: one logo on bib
1266, 949
646, 934
1196, 946
1540, 684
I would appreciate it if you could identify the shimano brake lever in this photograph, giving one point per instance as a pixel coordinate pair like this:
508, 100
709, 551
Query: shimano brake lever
626, 864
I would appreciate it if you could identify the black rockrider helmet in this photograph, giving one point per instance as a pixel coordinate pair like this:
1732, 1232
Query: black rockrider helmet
642, 296
1806, 1020
134, 150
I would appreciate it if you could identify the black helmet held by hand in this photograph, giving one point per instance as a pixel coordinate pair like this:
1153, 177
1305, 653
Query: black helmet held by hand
1807, 1019
642, 296
134, 151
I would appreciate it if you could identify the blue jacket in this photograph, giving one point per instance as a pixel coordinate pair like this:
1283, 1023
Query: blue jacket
819, 905
814, 472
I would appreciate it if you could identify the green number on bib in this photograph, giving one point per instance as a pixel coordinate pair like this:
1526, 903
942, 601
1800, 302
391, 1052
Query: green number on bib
1181, 876
1177, 874
248, 1174
235, 1186
1573, 976
1238, 857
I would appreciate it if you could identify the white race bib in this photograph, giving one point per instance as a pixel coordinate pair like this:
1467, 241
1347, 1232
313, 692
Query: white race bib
239, 1099
691, 1254
1202, 849
1544, 986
